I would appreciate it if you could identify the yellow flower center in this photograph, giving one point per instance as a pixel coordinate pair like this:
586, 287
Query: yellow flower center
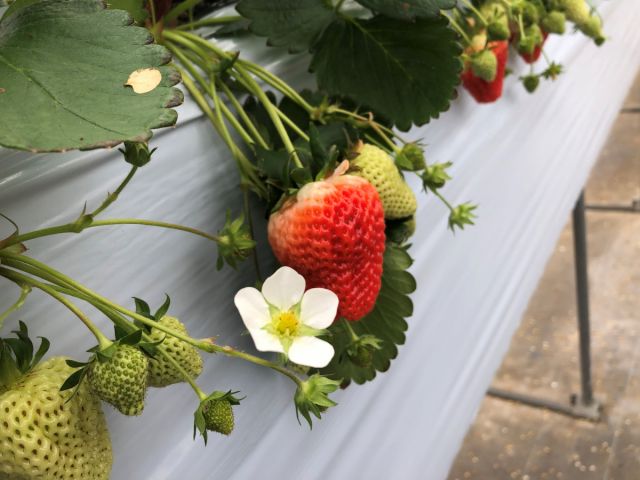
286, 323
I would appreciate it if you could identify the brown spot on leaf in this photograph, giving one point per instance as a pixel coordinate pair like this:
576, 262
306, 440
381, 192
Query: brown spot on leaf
2, 90
144, 80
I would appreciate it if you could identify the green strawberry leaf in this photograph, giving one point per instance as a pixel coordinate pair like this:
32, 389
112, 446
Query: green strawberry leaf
63, 69
405, 71
134, 7
287, 23
408, 9
386, 323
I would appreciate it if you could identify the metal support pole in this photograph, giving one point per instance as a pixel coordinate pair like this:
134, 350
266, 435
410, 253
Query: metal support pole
582, 295
584, 405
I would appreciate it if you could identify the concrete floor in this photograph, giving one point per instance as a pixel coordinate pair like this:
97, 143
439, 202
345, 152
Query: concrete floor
512, 441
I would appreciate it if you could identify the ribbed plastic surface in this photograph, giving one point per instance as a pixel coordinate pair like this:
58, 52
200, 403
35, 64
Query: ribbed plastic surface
524, 160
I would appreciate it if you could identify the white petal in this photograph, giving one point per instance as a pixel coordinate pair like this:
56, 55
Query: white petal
265, 342
252, 307
311, 351
319, 307
284, 288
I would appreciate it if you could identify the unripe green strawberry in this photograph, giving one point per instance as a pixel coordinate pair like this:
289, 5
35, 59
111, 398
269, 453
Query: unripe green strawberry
51, 435
498, 21
121, 380
161, 371
531, 82
377, 167
484, 65
593, 28
218, 416
554, 22
499, 30
533, 38
577, 11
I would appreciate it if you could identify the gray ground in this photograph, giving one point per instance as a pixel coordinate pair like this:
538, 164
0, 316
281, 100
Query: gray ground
511, 441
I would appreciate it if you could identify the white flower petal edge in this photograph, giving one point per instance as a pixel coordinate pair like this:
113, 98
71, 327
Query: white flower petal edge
319, 307
252, 307
284, 288
311, 351
265, 342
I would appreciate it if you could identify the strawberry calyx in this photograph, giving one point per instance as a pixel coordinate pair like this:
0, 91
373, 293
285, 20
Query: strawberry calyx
17, 356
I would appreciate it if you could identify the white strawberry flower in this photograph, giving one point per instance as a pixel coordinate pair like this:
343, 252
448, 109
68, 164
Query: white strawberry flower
284, 318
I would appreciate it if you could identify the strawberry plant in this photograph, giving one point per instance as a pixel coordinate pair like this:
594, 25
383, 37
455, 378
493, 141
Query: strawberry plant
328, 165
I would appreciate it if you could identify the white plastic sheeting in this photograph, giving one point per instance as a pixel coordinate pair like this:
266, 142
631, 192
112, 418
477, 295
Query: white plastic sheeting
523, 159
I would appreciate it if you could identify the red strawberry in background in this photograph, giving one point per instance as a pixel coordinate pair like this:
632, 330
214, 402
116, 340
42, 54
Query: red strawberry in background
533, 57
332, 233
481, 90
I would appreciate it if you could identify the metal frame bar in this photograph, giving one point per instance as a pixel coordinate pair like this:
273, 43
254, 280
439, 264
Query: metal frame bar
633, 208
584, 405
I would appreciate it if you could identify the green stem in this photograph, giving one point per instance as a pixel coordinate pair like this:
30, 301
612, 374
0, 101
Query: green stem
247, 170
112, 197
59, 278
253, 88
442, 199
350, 331
243, 115
459, 29
25, 291
291, 124
277, 83
209, 22
231, 352
254, 253
476, 11
179, 8
74, 228
23, 279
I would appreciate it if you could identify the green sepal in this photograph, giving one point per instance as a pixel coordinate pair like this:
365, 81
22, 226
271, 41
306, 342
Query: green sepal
74, 379
163, 309
137, 153
235, 242
312, 397
462, 215
17, 355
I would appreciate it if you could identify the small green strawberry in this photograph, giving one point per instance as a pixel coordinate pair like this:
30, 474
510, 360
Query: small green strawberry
592, 27
218, 415
498, 21
121, 379
46, 433
161, 371
378, 168
498, 30
531, 39
577, 11
484, 64
531, 82
215, 414
554, 22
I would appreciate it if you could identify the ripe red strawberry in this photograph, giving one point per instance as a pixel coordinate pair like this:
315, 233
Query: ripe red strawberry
332, 233
481, 90
537, 51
